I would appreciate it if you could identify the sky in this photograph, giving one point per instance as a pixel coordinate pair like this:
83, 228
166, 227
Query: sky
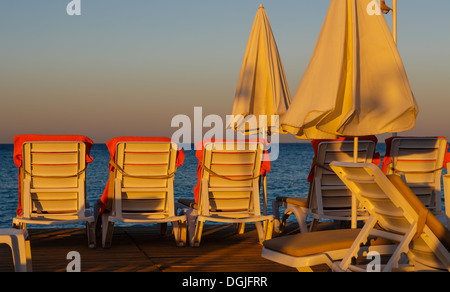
126, 68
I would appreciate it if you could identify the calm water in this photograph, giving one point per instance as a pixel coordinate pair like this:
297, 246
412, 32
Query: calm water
287, 177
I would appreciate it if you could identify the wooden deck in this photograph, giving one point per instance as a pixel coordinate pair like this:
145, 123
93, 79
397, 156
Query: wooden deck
143, 249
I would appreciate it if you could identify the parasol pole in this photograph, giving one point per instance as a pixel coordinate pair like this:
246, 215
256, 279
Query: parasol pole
354, 200
394, 20
264, 132
394, 30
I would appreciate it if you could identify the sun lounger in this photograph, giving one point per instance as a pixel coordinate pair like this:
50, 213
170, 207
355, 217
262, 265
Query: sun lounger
52, 181
396, 214
19, 243
328, 197
140, 188
228, 188
419, 160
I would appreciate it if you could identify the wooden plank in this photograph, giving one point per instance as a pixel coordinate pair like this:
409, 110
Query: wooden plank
143, 249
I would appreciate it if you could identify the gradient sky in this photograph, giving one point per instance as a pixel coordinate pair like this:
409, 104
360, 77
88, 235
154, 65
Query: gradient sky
125, 68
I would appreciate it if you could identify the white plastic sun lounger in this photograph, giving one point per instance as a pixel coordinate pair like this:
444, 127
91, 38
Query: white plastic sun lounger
398, 215
143, 188
229, 191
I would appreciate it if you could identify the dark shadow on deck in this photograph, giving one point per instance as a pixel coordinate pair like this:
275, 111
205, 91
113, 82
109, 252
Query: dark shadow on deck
143, 249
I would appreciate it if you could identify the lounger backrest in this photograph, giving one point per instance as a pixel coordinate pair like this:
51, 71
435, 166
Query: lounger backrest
419, 161
231, 175
55, 174
146, 173
378, 195
328, 194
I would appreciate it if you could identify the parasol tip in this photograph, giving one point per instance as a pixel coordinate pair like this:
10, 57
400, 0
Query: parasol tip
261, 6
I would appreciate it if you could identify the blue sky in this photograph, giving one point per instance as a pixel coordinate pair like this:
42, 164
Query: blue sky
145, 61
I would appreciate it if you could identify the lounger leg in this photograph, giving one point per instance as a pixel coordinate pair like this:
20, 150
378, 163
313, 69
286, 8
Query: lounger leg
356, 246
314, 224
98, 221
90, 232
261, 231
13, 244
22, 264
179, 232
300, 214
198, 233
402, 248
269, 230
20, 250
163, 228
183, 235
19, 225
279, 224
191, 219
276, 210
28, 255
282, 223
240, 228
175, 230
264, 230
107, 231
276, 216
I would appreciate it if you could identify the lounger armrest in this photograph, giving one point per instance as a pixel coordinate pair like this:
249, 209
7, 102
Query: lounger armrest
26, 198
117, 210
265, 195
204, 197
82, 198
446, 180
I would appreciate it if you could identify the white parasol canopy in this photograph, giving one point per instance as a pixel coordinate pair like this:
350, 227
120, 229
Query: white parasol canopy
355, 84
262, 89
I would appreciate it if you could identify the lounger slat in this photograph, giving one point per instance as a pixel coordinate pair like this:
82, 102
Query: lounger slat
54, 147
53, 170
55, 158
146, 158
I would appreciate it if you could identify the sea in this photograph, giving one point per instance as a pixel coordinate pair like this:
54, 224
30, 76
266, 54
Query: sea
288, 177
